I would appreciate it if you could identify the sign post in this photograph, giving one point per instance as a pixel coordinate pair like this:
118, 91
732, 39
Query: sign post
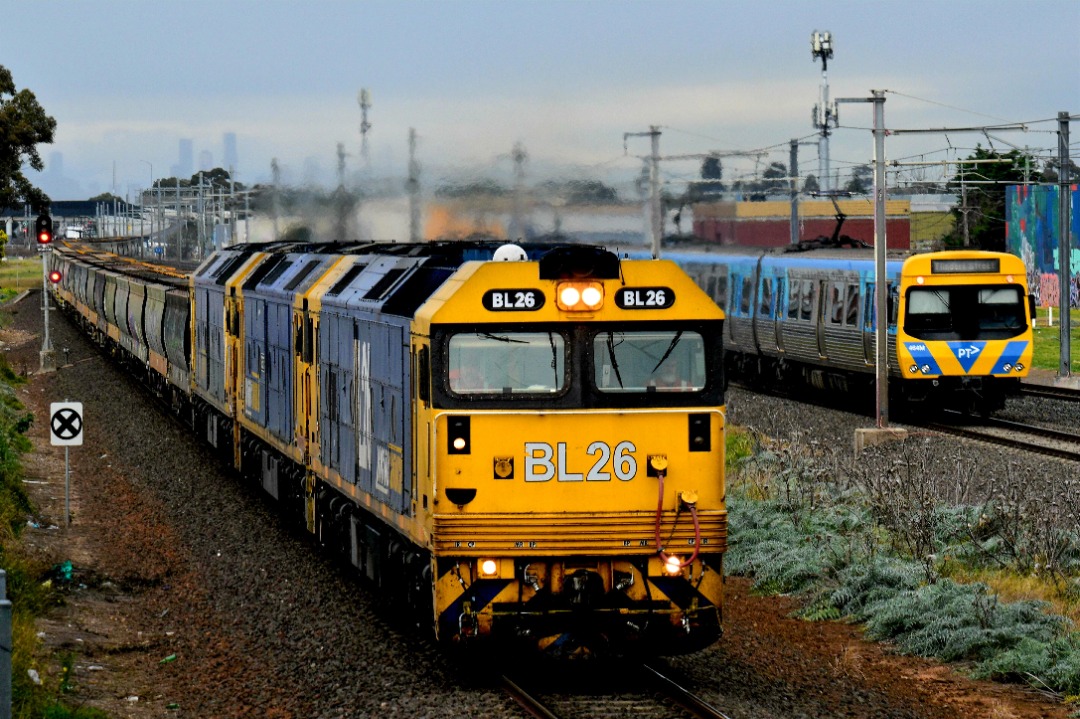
66, 429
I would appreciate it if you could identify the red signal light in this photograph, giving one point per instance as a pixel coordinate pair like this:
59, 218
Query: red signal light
44, 227
55, 276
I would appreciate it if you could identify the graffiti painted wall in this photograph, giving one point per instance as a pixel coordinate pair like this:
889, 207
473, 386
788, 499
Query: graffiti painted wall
1032, 222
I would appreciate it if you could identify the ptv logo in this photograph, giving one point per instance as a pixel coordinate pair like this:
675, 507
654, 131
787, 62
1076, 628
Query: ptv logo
967, 352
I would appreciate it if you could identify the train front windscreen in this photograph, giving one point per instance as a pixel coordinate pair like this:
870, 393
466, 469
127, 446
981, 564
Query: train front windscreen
965, 312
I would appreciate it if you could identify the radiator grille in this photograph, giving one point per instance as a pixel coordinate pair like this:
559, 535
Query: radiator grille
602, 534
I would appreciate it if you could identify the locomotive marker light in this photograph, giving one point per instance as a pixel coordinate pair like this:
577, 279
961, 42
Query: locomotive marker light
66, 430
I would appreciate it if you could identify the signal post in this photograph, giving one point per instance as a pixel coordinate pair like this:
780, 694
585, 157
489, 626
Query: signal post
44, 234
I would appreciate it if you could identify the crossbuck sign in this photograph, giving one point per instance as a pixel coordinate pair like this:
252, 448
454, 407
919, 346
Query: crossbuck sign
66, 423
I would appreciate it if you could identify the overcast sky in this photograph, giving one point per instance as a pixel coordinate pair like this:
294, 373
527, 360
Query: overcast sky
127, 80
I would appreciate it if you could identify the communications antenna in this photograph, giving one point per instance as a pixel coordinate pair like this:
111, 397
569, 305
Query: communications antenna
825, 115
364, 98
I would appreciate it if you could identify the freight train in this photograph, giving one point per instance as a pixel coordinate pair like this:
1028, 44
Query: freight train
959, 322
523, 445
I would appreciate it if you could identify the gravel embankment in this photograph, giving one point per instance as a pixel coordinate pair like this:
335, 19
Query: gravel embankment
200, 604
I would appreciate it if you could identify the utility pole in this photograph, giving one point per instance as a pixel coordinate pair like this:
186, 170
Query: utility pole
964, 208
180, 223
793, 182
412, 185
653, 165
232, 207
517, 222
1064, 245
275, 170
881, 356
881, 291
342, 204
655, 220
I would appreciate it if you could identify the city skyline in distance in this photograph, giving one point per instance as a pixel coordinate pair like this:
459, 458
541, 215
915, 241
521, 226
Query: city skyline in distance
566, 80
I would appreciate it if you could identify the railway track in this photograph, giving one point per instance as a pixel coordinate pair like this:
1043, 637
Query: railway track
1051, 392
649, 694
1029, 438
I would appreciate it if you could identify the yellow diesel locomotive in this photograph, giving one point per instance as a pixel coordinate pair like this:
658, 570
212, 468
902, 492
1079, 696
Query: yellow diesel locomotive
524, 445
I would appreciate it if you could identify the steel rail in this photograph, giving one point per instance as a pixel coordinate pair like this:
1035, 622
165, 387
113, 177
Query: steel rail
682, 696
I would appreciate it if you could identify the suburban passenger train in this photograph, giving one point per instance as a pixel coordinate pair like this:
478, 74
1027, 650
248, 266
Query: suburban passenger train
959, 322
525, 451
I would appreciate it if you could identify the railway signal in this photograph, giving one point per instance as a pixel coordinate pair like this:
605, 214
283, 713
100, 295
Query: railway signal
44, 226
55, 276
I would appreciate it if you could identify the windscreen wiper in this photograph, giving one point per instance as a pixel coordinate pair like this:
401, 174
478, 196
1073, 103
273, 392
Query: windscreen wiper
497, 338
611, 355
668, 351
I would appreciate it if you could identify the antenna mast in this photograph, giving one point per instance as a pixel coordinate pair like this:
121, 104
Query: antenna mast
364, 98
825, 115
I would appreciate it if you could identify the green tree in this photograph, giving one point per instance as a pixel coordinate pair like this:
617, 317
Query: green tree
980, 215
23, 125
170, 183
1050, 171
810, 185
106, 197
775, 178
218, 178
579, 192
862, 180
712, 171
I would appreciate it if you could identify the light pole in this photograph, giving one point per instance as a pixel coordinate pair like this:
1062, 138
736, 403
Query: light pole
825, 114
149, 191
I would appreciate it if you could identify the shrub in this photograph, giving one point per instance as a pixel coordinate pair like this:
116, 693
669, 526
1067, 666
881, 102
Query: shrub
871, 547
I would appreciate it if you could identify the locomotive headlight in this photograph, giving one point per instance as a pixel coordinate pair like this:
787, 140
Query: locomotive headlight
673, 565
920, 280
459, 443
579, 296
489, 568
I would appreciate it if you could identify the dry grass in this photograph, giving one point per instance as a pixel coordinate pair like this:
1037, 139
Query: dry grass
1013, 587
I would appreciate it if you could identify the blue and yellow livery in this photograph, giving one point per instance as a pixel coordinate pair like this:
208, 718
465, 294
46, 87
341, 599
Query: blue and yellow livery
959, 322
524, 446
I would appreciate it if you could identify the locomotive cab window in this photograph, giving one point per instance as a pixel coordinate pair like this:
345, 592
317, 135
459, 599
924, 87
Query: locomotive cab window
485, 363
649, 361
